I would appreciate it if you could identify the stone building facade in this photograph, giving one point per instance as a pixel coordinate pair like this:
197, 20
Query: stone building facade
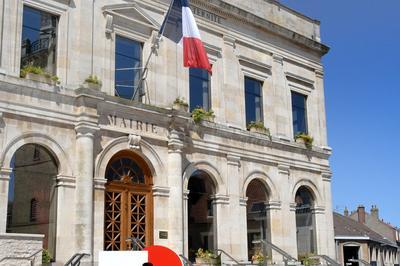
118, 168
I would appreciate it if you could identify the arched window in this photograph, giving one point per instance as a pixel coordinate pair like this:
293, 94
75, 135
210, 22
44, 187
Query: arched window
305, 223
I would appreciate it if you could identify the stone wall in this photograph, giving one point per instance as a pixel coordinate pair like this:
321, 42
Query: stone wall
20, 249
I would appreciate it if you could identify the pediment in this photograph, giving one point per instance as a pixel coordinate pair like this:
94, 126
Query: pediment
130, 14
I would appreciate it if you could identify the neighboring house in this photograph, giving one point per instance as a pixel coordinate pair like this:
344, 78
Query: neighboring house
355, 240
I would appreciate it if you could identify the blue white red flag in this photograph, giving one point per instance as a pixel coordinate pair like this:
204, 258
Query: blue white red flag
180, 26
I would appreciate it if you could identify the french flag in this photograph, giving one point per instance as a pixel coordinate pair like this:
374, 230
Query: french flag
180, 26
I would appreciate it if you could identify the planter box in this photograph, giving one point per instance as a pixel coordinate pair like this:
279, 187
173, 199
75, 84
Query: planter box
92, 86
258, 130
180, 107
39, 78
207, 262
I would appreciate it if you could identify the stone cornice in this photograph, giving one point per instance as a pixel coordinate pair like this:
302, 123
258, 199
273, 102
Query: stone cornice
230, 11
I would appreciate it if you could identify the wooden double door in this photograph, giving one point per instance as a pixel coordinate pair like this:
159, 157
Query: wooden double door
128, 210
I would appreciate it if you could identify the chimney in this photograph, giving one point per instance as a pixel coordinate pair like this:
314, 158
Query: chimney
361, 214
375, 212
346, 212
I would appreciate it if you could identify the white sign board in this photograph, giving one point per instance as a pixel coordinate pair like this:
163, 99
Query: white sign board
123, 258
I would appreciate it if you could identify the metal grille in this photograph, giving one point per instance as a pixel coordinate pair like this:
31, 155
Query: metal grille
112, 227
138, 216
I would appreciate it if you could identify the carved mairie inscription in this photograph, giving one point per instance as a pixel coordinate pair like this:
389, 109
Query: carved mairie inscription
129, 123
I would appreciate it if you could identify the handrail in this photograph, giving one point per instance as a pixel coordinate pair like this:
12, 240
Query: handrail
75, 260
31, 257
286, 255
229, 256
137, 243
185, 260
328, 259
360, 260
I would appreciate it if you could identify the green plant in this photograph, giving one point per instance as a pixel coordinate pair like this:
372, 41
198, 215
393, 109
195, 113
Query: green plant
199, 114
308, 259
32, 69
181, 101
38, 71
308, 140
93, 79
46, 257
258, 257
204, 254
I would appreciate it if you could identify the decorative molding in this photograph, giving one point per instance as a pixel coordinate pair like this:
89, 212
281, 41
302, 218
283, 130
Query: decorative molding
319, 73
86, 129
175, 143
65, 181
292, 206
233, 160
219, 199
278, 59
283, 169
230, 41
161, 191
254, 68
109, 24
100, 183
326, 176
273, 205
2, 123
5, 174
318, 210
243, 201
186, 194
134, 142
298, 78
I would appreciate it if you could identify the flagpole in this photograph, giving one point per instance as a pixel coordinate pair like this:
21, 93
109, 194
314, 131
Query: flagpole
154, 48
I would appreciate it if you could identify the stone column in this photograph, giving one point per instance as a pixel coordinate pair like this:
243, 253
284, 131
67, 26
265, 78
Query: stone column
65, 240
282, 99
4, 184
175, 210
327, 228
237, 229
320, 103
84, 188
222, 223
186, 223
288, 213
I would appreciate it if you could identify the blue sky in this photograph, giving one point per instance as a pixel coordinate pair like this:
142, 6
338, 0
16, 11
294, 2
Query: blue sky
362, 85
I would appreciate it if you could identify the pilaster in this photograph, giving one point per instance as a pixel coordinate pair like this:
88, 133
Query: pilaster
327, 229
287, 225
5, 174
84, 197
175, 182
233, 90
282, 98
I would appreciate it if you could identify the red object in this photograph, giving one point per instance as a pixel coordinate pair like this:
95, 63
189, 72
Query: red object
194, 54
163, 256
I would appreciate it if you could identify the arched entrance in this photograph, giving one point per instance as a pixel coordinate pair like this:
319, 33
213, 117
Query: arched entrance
258, 226
201, 213
128, 210
32, 197
305, 223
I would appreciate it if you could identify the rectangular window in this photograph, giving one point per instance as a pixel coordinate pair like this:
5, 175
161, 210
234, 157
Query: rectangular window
299, 113
128, 63
39, 40
199, 94
253, 100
